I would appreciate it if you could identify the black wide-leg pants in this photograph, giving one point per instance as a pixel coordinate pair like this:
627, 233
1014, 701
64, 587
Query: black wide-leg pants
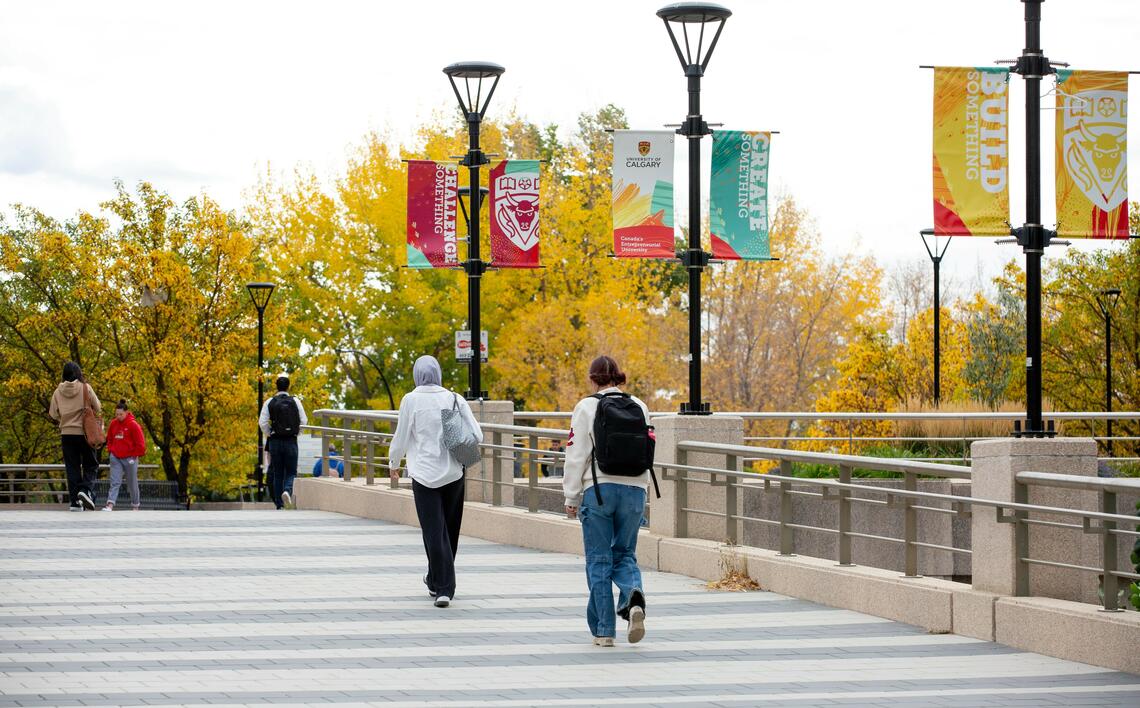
440, 511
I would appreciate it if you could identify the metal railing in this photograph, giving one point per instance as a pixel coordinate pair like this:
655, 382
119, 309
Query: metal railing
363, 444
800, 422
22, 489
909, 500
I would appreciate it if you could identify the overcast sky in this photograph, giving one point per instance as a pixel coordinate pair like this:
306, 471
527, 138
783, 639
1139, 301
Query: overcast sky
208, 95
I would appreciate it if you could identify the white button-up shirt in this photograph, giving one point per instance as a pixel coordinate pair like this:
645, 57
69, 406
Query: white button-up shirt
419, 436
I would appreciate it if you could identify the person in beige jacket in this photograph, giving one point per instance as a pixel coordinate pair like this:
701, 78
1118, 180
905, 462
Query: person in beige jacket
67, 405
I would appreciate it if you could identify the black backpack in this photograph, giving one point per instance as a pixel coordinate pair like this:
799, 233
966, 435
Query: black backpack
623, 440
284, 419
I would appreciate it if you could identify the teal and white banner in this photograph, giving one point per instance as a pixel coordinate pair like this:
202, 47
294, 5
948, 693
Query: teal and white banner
738, 195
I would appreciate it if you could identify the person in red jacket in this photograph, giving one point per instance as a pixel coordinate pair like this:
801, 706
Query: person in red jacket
126, 444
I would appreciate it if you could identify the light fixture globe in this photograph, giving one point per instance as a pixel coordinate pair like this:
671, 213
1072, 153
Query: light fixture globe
473, 72
260, 294
694, 60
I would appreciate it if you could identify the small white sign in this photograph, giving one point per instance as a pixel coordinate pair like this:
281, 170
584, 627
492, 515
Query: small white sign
463, 345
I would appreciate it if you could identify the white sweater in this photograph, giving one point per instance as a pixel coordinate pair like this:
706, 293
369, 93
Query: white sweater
578, 476
419, 433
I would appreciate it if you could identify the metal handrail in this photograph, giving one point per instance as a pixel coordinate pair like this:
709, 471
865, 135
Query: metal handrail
887, 464
1068, 481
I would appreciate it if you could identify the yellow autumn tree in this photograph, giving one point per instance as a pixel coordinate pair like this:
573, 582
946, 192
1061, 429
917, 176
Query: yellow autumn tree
154, 308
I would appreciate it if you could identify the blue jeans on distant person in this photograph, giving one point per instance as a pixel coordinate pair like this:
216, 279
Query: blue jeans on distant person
282, 467
609, 534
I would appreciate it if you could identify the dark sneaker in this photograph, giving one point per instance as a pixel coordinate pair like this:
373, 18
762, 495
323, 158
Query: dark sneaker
431, 593
636, 624
85, 499
442, 601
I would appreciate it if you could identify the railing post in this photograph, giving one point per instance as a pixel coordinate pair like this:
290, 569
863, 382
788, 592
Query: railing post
844, 516
532, 476
369, 452
1020, 541
496, 469
346, 448
787, 534
324, 423
681, 497
910, 526
730, 520
1111, 582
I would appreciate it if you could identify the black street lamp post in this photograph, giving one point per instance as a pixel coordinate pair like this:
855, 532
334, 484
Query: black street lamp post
474, 108
1106, 301
695, 258
936, 259
260, 294
383, 378
1033, 237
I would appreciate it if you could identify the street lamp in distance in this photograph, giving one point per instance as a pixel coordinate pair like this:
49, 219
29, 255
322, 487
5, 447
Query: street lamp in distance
260, 293
1106, 301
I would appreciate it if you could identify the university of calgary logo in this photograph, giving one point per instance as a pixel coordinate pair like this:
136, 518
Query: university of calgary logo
1094, 145
516, 208
643, 147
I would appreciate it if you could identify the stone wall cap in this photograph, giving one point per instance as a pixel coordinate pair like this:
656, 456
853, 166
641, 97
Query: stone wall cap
1036, 447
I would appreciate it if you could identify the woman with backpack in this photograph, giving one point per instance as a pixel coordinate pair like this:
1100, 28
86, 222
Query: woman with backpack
72, 398
437, 477
126, 445
608, 458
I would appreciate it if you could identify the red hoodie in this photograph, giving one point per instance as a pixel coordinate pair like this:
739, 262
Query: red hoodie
125, 439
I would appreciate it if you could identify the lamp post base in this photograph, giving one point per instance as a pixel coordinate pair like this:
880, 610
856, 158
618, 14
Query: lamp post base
687, 408
472, 396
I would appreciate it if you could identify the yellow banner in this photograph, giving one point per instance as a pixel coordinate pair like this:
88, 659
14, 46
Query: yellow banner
1092, 163
971, 151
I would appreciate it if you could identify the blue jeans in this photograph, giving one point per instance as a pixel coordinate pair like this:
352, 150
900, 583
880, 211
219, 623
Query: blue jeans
609, 534
282, 467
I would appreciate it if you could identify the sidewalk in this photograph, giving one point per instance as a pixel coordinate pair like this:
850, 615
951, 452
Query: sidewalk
256, 608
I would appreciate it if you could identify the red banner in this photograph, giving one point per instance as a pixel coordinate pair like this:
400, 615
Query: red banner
514, 212
432, 194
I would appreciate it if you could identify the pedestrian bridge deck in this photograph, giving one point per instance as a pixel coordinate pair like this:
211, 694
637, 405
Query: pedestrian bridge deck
263, 607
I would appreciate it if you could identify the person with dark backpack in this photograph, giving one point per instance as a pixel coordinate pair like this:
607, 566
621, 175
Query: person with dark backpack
281, 419
609, 461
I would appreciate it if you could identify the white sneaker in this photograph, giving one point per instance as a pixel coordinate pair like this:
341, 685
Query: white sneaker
75, 508
287, 500
636, 624
442, 601
85, 499
603, 641
108, 508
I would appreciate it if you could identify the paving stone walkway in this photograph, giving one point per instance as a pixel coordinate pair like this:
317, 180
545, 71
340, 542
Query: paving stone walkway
292, 608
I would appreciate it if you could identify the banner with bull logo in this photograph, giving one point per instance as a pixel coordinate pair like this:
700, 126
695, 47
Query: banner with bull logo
433, 190
738, 195
971, 151
514, 199
1092, 161
643, 194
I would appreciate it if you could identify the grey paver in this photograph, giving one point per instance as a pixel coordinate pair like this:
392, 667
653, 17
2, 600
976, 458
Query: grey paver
257, 608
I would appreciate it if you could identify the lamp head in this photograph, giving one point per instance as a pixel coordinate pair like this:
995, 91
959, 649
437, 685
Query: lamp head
260, 294
682, 14
473, 72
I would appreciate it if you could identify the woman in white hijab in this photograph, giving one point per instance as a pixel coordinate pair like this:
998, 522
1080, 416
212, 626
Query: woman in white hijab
437, 479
